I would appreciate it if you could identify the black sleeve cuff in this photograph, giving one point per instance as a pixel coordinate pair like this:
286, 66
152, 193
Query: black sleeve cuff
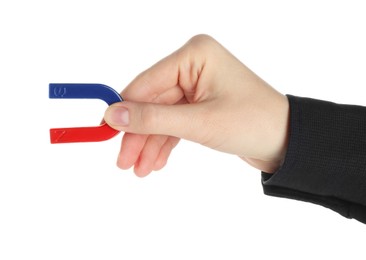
325, 162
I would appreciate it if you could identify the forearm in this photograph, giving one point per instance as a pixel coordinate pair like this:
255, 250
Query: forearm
326, 157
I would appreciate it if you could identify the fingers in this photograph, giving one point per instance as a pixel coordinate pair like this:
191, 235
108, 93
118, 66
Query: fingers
149, 155
177, 74
145, 153
131, 147
165, 151
159, 80
155, 113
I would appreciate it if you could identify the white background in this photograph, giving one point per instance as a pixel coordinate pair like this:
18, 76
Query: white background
71, 201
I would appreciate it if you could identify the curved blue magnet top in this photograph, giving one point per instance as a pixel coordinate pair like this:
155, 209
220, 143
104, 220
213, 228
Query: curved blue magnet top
84, 90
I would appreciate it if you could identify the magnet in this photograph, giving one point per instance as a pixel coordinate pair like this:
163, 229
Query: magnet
80, 91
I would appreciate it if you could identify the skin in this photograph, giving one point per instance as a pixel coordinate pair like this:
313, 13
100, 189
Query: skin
201, 93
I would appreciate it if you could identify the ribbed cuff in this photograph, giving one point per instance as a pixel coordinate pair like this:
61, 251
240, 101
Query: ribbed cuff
325, 162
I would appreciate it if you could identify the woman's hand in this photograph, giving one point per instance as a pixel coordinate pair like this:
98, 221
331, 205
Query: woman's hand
204, 94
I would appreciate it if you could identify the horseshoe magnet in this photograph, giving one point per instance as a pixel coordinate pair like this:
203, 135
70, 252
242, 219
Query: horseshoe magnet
78, 91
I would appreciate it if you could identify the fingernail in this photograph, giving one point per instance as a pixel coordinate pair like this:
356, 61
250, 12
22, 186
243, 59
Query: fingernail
119, 116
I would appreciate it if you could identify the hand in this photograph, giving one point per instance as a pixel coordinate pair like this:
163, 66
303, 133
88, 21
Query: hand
204, 94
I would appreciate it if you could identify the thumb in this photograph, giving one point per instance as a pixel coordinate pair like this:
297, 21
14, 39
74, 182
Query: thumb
183, 120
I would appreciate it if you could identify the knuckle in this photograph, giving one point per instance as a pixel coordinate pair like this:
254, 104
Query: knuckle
200, 43
148, 118
201, 38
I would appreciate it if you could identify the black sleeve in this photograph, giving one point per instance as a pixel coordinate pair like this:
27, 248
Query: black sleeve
325, 162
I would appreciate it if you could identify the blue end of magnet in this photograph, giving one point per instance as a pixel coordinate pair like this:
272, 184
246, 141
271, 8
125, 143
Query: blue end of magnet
79, 91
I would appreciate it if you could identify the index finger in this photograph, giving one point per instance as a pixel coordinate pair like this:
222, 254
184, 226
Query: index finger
159, 83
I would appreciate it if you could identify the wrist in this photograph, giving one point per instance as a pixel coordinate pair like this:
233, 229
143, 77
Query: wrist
281, 133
